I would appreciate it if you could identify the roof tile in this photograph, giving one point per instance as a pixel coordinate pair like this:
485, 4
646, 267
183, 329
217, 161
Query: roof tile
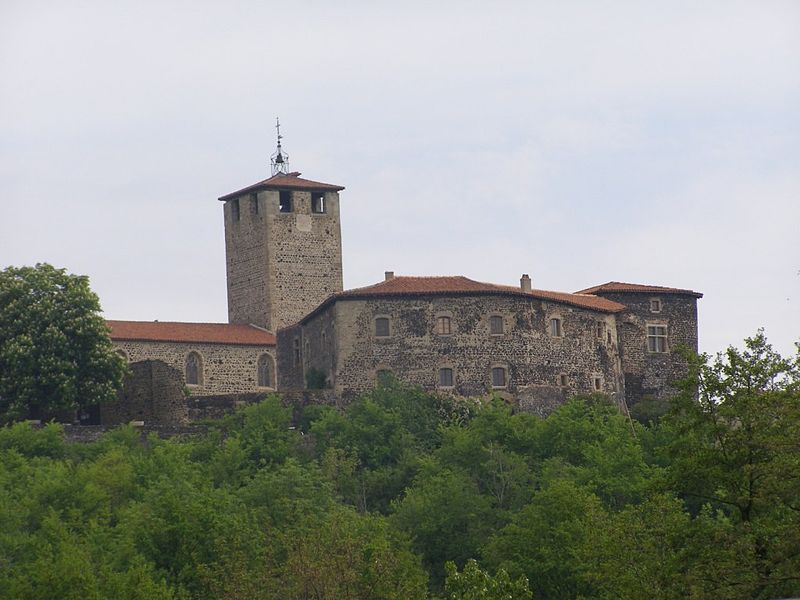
292, 181
209, 333
459, 285
636, 288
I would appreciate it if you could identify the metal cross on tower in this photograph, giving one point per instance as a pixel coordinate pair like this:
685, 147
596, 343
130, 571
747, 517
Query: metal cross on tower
279, 160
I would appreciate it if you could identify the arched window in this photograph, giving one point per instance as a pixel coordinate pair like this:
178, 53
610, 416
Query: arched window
265, 371
194, 369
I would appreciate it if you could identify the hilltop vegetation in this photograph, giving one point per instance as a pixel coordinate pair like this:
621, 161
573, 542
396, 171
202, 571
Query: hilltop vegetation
407, 495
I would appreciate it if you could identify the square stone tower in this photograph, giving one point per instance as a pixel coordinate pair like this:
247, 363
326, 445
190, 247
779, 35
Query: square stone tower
283, 246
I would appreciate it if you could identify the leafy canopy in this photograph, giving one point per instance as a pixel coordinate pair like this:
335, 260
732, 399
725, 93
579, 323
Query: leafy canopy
55, 353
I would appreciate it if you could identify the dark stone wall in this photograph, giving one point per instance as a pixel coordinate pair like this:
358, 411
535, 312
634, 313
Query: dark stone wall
653, 374
153, 392
414, 352
290, 371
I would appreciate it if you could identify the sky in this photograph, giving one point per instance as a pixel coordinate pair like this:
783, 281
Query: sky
579, 142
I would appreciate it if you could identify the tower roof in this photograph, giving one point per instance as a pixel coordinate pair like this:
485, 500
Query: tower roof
289, 181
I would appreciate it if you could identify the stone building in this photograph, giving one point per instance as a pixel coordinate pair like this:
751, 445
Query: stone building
284, 274
283, 245
212, 358
532, 346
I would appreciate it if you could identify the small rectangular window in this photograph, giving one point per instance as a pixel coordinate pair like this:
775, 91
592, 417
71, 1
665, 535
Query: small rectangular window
562, 380
656, 338
443, 326
555, 327
318, 202
381, 327
254, 203
285, 201
655, 305
384, 376
498, 377
296, 352
598, 383
446, 377
608, 334
235, 209
496, 325
598, 330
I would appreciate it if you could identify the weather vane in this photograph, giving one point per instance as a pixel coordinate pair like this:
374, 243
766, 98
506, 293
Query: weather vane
279, 160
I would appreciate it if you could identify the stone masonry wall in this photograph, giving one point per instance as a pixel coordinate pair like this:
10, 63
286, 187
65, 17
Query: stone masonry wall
153, 392
246, 261
226, 368
653, 373
341, 342
305, 256
280, 265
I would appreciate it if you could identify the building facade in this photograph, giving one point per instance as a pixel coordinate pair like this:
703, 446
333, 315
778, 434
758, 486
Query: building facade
213, 358
534, 347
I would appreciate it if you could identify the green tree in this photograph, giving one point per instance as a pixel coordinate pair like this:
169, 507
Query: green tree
735, 445
473, 583
55, 353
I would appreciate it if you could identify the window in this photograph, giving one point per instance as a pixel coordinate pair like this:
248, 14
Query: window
384, 376
655, 305
446, 377
656, 338
194, 369
254, 203
598, 383
496, 325
235, 209
265, 371
382, 327
318, 202
598, 330
296, 352
498, 377
555, 327
443, 326
285, 201
608, 334
562, 380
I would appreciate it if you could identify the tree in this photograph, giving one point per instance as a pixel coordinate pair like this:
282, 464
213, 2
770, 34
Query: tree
736, 447
473, 583
55, 353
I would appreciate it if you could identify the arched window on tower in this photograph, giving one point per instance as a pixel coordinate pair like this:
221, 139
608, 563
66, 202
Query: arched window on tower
265, 371
194, 369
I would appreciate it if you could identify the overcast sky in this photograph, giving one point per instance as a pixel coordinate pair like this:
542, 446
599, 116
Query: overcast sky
580, 142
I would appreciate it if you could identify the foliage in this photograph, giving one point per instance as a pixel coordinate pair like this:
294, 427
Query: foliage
400, 495
55, 353
736, 447
473, 583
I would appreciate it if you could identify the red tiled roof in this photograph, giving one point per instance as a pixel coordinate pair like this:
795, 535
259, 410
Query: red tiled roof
618, 286
209, 333
292, 181
459, 285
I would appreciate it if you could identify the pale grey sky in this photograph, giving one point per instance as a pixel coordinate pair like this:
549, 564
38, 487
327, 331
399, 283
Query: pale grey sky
580, 142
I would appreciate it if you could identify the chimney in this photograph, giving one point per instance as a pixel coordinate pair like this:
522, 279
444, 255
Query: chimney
388, 275
525, 283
